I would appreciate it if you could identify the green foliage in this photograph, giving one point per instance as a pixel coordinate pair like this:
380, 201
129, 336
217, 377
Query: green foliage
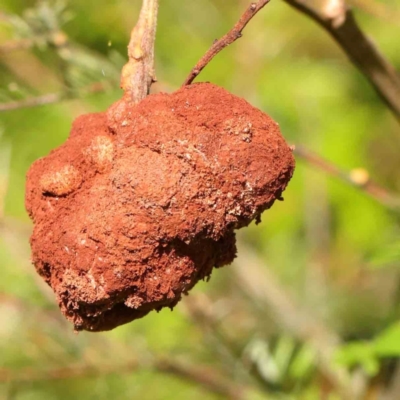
387, 256
283, 363
368, 354
41, 22
325, 244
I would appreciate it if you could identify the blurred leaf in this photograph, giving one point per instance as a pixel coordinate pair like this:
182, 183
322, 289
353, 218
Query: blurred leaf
358, 353
303, 363
387, 344
387, 256
258, 352
284, 352
368, 354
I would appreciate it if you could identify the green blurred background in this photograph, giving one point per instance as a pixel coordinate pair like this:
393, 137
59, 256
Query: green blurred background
310, 310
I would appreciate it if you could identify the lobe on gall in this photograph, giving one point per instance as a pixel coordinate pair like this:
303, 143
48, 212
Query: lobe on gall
100, 152
60, 182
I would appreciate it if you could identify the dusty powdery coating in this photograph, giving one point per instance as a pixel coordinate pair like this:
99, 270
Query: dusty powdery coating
142, 201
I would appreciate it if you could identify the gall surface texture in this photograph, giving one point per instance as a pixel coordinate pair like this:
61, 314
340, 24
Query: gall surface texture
142, 201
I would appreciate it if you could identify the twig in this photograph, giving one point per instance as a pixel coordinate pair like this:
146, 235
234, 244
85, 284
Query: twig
205, 377
52, 98
138, 73
199, 310
49, 98
56, 38
18, 44
358, 178
5, 153
234, 34
338, 20
203, 313
378, 10
4, 17
28, 375
393, 389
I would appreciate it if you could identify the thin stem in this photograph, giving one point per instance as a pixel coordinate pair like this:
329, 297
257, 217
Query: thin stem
138, 73
339, 22
19, 44
234, 34
57, 39
52, 98
393, 389
358, 178
206, 377
378, 10
204, 314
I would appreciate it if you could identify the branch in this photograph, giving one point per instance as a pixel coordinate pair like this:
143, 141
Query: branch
234, 34
138, 73
49, 98
339, 22
358, 178
28, 375
4, 17
57, 39
378, 10
5, 158
203, 312
18, 44
393, 389
199, 308
52, 98
205, 377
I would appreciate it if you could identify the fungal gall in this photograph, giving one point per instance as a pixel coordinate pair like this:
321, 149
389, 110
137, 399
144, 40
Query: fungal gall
179, 174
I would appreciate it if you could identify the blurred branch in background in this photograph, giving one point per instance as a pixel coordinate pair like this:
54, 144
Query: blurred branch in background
358, 178
211, 318
378, 10
5, 158
52, 98
393, 390
18, 44
201, 311
206, 377
335, 17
